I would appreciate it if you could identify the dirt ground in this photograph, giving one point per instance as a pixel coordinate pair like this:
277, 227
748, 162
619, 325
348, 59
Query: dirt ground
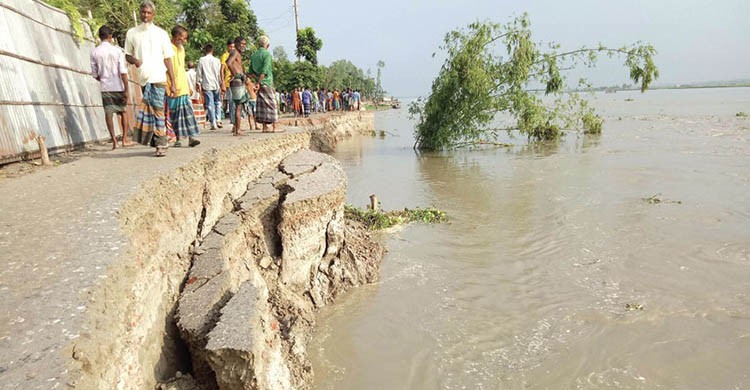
21, 168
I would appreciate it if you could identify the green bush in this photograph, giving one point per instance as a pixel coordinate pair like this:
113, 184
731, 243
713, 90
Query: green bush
592, 123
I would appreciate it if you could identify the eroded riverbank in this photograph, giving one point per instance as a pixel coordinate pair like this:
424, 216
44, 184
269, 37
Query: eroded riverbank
98, 252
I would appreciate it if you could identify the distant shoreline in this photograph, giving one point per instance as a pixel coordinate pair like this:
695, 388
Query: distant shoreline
695, 87
653, 88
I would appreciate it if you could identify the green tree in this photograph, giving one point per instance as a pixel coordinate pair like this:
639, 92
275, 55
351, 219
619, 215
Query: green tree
223, 20
194, 13
343, 74
279, 54
282, 69
308, 45
122, 15
490, 68
304, 74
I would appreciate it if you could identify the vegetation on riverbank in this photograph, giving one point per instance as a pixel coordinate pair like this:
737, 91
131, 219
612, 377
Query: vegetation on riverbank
380, 219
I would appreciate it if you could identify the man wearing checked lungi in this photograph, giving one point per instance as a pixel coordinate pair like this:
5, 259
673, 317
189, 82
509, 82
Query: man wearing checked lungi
237, 86
148, 48
261, 68
180, 107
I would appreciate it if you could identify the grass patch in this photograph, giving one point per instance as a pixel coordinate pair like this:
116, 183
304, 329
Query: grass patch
379, 219
741, 114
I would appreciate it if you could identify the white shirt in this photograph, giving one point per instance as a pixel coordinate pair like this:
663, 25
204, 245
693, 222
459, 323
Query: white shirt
151, 45
192, 80
209, 73
107, 64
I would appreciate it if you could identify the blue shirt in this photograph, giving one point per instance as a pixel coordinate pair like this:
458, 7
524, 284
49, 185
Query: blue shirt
306, 97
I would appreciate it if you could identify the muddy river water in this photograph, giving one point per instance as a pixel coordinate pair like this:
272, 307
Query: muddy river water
554, 272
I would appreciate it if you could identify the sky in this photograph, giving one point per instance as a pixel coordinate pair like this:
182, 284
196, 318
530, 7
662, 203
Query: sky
697, 41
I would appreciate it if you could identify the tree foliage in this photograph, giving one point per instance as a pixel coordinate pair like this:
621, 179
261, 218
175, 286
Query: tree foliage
208, 21
298, 75
216, 22
70, 8
490, 68
308, 45
122, 15
343, 74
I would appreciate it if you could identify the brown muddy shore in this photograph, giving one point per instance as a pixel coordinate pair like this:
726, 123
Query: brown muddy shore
200, 270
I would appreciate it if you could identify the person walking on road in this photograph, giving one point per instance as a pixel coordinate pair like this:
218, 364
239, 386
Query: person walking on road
108, 66
180, 107
227, 75
211, 84
148, 48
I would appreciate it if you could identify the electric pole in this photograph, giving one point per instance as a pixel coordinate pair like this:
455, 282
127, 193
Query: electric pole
296, 21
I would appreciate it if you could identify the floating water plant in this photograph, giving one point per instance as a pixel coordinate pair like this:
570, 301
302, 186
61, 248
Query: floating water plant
633, 306
657, 199
379, 219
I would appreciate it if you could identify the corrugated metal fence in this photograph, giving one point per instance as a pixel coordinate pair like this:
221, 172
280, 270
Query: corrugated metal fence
46, 87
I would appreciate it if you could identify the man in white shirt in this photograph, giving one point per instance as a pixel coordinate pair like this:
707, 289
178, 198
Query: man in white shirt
149, 48
192, 76
210, 82
109, 68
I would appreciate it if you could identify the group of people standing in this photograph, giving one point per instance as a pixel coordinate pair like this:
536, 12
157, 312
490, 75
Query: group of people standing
302, 101
167, 89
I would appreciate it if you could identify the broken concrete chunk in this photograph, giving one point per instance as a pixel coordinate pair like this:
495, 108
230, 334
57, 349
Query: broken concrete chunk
230, 343
328, 178
198, 310
205, 266
302, 162
212, 241
273, 177
227, 224
234, 330
257, 194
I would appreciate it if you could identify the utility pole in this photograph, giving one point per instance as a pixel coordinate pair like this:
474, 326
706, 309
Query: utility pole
296, 21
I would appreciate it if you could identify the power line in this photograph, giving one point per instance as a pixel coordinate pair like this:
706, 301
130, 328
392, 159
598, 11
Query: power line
281, 15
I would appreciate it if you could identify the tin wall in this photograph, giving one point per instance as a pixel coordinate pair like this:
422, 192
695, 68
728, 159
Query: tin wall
46, 87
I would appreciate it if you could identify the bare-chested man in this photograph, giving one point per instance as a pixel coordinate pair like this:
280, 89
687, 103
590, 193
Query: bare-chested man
238, 88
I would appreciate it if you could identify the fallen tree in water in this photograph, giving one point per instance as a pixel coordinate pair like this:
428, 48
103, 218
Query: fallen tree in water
493, 68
